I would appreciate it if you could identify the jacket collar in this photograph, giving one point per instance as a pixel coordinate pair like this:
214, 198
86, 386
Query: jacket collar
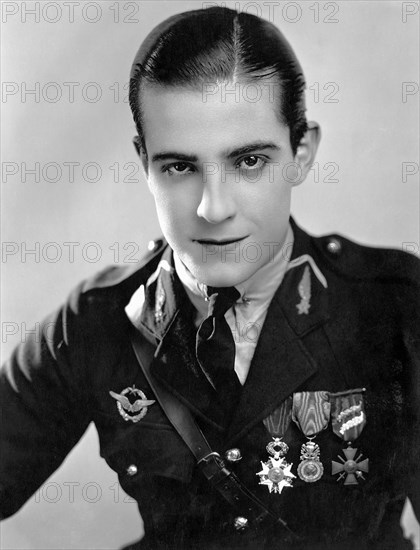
153, 306
163, 313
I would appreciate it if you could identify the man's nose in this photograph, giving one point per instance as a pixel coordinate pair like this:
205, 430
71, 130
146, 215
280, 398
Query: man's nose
217, 203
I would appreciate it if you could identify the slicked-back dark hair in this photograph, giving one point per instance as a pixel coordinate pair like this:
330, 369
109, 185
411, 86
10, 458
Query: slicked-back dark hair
217, 45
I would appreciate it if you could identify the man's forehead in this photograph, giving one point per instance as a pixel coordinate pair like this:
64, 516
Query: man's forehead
249, 90
177, 117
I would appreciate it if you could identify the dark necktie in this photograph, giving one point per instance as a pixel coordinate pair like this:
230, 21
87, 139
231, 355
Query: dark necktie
215, 348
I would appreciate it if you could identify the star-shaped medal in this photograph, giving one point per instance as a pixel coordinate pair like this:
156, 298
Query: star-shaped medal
276, 474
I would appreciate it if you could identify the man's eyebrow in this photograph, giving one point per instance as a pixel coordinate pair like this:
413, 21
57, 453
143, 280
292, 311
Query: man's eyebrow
251, 148
165, 155
243, 150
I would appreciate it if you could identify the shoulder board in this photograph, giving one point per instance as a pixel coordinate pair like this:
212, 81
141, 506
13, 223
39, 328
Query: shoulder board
356, 261
113, 276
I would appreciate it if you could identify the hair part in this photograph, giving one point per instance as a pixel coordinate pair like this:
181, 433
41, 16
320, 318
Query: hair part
214, 46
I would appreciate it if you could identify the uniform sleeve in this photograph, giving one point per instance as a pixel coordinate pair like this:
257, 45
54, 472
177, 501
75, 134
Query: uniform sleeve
411, 335
413, 348
44, 405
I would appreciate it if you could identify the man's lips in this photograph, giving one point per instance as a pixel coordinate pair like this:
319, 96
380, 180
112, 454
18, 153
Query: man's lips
220, 242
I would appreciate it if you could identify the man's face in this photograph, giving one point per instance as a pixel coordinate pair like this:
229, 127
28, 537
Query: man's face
221, 170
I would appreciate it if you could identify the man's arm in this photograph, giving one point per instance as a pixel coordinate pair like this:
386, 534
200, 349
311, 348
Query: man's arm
45, 405
412, 346
408, 304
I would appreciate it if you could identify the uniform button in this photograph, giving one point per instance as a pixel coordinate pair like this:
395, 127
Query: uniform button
132, 470
240, 523
152, 246
233, 455
334, 246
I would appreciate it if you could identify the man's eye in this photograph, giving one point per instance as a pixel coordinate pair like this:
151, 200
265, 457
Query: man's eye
251, 162
177, 169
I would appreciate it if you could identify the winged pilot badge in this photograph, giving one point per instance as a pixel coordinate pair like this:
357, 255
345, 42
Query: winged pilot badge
132, 411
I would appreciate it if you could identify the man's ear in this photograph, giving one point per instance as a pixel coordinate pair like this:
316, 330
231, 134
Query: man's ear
142, 154
307, 149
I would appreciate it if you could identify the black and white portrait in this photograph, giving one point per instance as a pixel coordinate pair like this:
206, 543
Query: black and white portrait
210, 229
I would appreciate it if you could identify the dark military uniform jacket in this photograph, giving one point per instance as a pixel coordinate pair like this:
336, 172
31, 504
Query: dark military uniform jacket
360, 332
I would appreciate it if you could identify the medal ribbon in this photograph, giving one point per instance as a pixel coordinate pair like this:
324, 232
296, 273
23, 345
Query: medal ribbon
311, 411
279, 420
348, 413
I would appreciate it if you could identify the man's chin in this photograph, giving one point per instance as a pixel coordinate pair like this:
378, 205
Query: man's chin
223, 275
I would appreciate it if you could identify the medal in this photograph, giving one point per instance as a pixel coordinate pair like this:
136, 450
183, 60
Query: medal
310, 468
276, 472
348, 420
350, 469
311, 413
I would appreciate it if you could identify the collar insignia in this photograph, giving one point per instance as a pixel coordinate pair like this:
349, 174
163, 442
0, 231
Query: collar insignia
133, 411
304, 290
159, 302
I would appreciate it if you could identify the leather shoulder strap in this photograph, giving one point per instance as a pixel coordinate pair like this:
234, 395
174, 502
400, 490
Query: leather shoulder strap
178, 414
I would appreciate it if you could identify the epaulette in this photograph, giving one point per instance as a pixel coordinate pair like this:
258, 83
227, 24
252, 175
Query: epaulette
113, 276
352, 260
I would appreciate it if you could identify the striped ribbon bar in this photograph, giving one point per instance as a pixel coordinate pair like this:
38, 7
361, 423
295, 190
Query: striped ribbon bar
311, 411
348, 413
279, 420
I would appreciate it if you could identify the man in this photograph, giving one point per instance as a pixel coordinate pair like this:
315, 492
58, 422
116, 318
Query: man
295, 357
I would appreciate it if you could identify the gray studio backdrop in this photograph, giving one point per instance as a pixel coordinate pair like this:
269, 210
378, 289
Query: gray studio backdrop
75, 200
